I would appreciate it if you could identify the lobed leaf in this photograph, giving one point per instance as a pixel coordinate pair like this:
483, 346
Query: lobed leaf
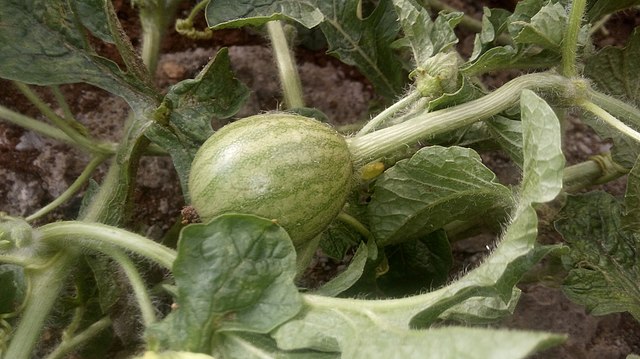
434, 187
190, 106
361, 42
234, 273
546, 28
604, 267
426, 37
614, 71
42, 42
535, 29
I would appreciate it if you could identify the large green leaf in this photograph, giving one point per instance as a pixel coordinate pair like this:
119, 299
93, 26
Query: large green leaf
434, 187
543, 159
604, 265
190, 106
364, 339
615, 72
233, 274
361, 42
43, 42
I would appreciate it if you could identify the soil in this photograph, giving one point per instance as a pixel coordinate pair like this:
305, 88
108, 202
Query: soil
35, 170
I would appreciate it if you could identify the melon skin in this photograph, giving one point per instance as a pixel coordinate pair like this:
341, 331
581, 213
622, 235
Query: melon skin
292, 169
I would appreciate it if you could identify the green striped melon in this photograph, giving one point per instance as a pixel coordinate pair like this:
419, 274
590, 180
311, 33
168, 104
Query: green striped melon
292, 169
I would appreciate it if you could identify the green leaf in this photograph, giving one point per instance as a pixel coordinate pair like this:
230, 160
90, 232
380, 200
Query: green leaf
604, 265
232, 13
109, 290
361, 42
233, 274
535, 28
546, 28
494, 23
599, 8
349, 276
508, 57
426, 37
191, 105
13, 286
372, 341
508, 134
482, 310
91, 14
252, 346
614, 71
42, 42
434, 187
631, 217
543, 161
418, 265
338, 238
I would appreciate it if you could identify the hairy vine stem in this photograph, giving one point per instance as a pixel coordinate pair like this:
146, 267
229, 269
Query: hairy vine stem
426, 125
95, 235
